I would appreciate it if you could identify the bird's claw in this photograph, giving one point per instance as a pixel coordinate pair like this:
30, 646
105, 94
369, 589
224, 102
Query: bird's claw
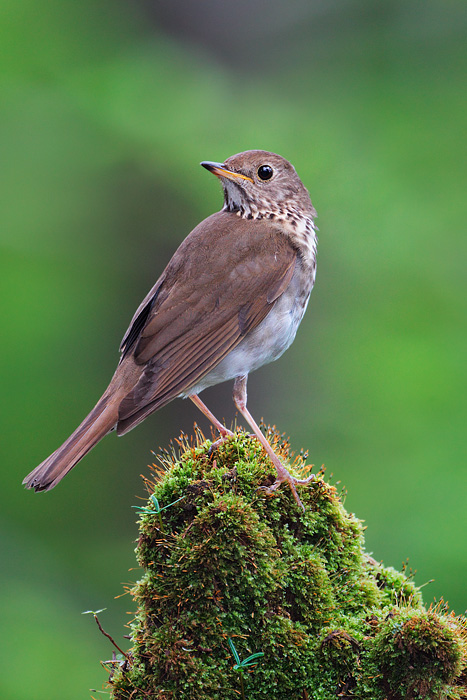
226, 435
284, 476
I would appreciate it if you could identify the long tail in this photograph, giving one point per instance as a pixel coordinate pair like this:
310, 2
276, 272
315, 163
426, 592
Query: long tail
98, 423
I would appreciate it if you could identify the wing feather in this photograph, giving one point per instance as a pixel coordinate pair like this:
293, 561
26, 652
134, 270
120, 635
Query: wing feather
180, 337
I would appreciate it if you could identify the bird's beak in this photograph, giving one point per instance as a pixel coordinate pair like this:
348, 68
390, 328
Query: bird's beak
220, 170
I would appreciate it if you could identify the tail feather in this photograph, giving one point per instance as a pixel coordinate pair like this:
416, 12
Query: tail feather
95, 426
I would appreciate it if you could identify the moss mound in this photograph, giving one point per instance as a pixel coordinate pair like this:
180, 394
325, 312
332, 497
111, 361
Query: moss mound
226, 562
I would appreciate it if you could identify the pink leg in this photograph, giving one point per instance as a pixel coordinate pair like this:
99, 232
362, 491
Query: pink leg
240, 398
225, 432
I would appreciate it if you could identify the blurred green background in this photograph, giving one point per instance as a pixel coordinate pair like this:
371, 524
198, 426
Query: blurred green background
106, 109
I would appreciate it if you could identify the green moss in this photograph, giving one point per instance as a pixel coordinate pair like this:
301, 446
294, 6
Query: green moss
231, 561
420, 651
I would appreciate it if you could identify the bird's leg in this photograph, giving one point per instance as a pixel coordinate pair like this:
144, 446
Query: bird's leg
240, 398
225, 432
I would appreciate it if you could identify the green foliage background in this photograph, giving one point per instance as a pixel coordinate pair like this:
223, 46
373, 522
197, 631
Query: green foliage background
106, 109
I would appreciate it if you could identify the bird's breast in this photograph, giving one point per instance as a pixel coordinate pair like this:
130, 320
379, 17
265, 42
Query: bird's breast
271, 338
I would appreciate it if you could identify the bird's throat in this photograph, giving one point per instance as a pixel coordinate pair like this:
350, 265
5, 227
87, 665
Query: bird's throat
293, 221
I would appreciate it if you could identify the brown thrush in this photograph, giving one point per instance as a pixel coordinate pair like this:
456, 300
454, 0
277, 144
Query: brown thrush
229, 301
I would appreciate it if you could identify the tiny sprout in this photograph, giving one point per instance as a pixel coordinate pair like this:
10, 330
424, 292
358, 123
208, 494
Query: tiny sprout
93, 612
240, 665
157, 509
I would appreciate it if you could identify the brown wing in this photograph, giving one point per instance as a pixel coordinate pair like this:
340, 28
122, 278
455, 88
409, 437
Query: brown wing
219, 285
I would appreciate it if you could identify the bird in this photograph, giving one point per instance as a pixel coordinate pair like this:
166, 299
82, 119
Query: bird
229, 301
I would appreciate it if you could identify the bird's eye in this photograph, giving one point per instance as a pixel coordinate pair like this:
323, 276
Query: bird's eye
265, 172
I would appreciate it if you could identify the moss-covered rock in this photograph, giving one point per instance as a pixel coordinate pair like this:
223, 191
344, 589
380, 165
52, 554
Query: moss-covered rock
228, 561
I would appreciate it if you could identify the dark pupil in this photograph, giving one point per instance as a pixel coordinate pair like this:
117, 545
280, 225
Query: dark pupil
265, 172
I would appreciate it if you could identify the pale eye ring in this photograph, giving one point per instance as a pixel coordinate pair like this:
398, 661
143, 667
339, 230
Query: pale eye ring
265, 172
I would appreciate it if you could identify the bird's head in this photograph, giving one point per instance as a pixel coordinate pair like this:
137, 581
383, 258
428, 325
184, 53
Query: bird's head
258, 183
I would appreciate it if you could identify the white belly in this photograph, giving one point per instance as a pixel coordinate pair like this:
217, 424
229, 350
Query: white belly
266, 342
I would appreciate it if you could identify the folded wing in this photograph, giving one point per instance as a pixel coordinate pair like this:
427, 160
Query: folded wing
178, 337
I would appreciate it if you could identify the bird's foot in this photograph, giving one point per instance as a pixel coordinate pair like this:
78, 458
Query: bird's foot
225, 435
284, 476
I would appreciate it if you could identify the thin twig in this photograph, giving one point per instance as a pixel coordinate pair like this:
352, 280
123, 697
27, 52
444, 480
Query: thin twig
109, 637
